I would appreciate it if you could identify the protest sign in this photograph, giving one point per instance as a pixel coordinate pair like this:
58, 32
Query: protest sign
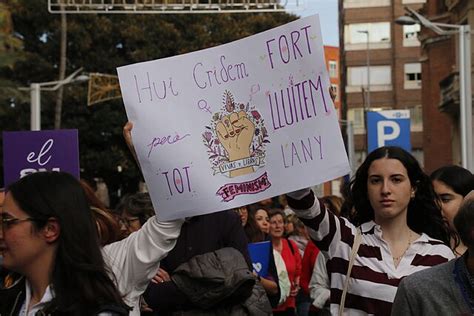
27, 152
260, 255
237, 123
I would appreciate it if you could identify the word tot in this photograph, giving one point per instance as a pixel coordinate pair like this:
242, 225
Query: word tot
291, 46
178, 180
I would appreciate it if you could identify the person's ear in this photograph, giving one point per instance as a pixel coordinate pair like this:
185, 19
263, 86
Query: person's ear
51, 230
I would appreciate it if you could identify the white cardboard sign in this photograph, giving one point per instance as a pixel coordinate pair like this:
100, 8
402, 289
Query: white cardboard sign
237, 123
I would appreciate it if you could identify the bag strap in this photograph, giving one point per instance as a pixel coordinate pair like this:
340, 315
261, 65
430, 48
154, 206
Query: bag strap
355, 248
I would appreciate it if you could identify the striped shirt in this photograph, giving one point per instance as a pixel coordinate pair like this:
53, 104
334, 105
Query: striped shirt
374, 277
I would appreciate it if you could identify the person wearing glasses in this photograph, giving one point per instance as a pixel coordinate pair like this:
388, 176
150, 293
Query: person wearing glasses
49, 236
133, 211
243, 213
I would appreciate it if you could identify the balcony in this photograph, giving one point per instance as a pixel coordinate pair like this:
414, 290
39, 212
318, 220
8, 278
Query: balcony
449, 90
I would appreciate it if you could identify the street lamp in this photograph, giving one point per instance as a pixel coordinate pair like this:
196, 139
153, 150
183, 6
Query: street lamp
35, 95
366, 32
465, 91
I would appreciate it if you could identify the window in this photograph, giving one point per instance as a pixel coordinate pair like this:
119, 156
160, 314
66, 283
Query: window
356, 116
366, 3
410, 35
380, 78
379, 36
332, 69
412, 76
416, 119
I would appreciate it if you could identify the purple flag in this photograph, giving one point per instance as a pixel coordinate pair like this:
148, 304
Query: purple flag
32, 151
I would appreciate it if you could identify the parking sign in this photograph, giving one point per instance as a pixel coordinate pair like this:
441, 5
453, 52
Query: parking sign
388, 128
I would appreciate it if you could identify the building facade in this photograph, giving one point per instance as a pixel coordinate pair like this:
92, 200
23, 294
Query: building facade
380, 66
331, 55
441, 82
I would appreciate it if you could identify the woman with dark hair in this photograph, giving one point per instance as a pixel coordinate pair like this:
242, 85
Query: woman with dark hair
243, 213
452, 184
398, 225
257, 229
446, 289
48, 236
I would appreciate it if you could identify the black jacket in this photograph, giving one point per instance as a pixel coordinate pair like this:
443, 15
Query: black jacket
13, 297
220, 283
199, 235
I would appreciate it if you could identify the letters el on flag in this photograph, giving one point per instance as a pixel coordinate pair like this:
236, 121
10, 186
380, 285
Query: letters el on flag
26, 152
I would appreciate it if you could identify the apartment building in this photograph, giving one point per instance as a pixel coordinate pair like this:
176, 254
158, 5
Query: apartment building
331, 54
380, 66
441, 82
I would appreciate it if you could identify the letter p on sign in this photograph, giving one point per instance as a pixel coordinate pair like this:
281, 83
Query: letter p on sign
387, 130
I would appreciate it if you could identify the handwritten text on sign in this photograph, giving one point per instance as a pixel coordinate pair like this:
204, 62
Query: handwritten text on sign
236, 123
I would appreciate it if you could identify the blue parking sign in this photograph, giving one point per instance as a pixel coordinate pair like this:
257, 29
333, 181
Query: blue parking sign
388, 128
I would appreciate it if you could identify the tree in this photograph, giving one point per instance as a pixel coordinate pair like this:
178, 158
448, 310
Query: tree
101, 43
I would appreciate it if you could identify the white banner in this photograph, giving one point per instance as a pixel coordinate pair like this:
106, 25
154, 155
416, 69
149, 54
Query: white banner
237, 123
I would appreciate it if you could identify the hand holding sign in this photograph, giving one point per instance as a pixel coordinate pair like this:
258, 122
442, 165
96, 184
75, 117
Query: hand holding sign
235, 132
127, 135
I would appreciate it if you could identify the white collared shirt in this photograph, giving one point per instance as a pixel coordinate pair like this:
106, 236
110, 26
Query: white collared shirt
374, 277
47, 296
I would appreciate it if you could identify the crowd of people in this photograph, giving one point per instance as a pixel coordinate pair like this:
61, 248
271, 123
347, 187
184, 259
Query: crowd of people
399, 242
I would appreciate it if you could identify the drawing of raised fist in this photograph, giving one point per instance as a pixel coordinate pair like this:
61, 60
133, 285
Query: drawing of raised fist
235, 132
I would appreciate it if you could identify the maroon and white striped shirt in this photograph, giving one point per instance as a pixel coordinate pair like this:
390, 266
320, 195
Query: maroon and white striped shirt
374, 277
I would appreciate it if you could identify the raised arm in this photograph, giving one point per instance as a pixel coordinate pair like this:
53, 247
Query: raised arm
325, 228
135, 259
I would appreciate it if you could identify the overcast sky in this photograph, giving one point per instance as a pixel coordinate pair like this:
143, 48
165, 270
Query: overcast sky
328, 15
